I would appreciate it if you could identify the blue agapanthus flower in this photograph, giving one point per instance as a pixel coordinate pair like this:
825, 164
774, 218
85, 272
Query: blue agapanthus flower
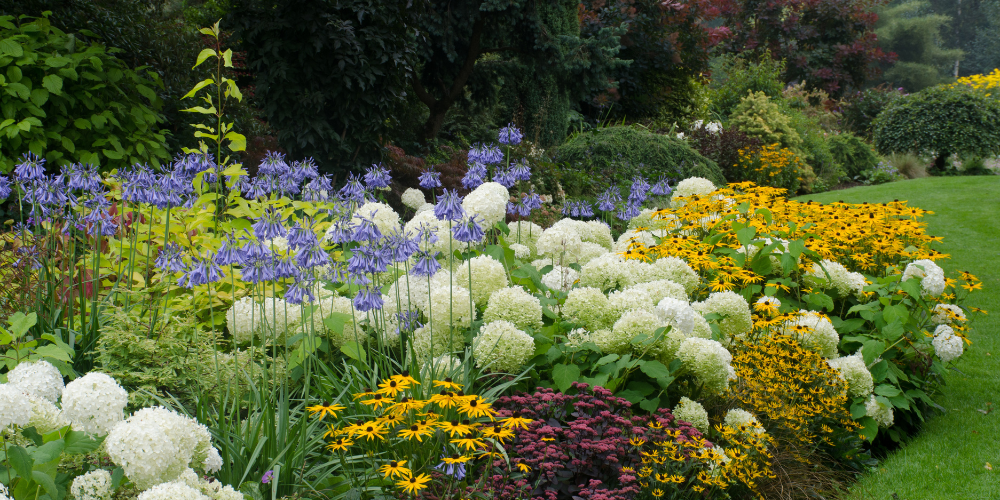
377, 177
521, 171
171, 258
31, 168
269, 225
5, 189
510, 135
504, 177
430, 179
201, 272
274, 164
468, 230
449, 206
353, 190
368, 299
662, 187
300, 291
485, 154
318, 189
427, 264
475, 176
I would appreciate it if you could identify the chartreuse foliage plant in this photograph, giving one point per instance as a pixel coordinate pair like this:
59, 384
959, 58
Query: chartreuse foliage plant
73, 102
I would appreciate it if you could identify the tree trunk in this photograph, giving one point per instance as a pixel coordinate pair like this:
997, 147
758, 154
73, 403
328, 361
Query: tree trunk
941, 162
439, 107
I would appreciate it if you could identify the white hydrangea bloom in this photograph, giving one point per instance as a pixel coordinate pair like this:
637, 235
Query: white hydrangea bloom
425, 208
213, 461
609, 271
501, 347
852, 369
629, 299
737, 418
881, 412
94, 403
413, 198
930, 274
488, 276
945, 314
516, 305
641, 238
39, 378
430, 344
449, 307
814, 331
708, 360
676, 270
856, 283
658, 290
587, 306
560, 278
830, 275
244, 320
690, 187
424, 219
15, 407
737, 321
589, 251
4, 493
600, 233
525, 233
947, 345
172, 491
385, 218
489, 201
692, 412
629, 325
156, 445
94, 485
520, 251
677, 313
45, 416
560, 242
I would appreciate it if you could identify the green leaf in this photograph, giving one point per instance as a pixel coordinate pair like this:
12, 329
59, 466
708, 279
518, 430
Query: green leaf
858, 410
227, 58
39, 97
20, 323
880, 370
887, 391
204, 55
80, 442
650, 405
67, 144
47, 482
146, 92
234, 90
116, 478
630, 395
53, 351
336, 321
654, 369
203, 110
564, 376
20, 461
110, 153
53, 83
10, 47
745, 235
48, 452
82, 124
237, 142
354, 351
606, 359
869, 428
200, 85
871, 350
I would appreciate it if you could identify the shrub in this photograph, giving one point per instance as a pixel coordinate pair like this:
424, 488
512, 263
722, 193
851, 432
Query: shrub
852, 154
881, 173
859, 110
772, 166
723, 147
72, 102
736, 76
941, 121
619, 154
758, 116
909, 165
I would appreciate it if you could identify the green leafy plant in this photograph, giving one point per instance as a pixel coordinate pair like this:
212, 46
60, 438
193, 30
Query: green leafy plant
940, 121
70, 102
33, 468
852, 154
19, 346
757, 115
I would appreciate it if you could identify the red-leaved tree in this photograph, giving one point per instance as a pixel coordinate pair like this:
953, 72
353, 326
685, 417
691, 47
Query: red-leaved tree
829, 44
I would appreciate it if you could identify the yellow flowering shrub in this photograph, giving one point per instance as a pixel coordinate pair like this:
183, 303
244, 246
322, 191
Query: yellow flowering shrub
981, 82
772, 165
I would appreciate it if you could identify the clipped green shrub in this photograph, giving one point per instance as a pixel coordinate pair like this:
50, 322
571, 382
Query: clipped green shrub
735, 76
758, 116
619, 154
853, 154
70, 102
940, 121
858, 111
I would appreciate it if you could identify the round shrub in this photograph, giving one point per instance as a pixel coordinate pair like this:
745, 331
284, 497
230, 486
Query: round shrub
852, 153
758, 116
941, 121
860, 110
619, 154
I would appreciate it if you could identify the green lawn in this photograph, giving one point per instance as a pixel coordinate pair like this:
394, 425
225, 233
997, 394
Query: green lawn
948, 458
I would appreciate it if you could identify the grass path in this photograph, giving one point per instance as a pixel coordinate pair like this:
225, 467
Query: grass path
948, 458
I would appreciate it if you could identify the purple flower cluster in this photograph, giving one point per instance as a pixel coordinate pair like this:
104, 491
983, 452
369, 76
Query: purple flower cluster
510, 135
529, 201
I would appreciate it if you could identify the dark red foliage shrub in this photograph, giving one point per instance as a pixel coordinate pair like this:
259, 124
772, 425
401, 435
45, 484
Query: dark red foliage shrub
577, 445
723, 148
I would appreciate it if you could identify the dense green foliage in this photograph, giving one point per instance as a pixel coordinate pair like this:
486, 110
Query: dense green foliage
733, 77
329, 75
828, 44
941, 121
852, 154
859, 110
619, 154
70, 101
758, 116
914, 35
